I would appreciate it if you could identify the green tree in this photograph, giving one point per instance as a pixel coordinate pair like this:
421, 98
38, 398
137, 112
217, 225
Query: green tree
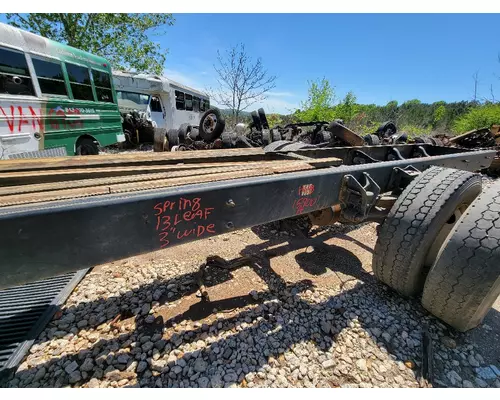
439, 114
480, 117
347, 108
319, 103
123, 39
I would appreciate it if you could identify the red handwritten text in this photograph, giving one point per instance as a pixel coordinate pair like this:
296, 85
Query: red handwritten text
171, 213
304, 202
17, 116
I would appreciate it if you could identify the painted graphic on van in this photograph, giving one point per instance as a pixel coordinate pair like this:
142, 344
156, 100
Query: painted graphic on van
20, 118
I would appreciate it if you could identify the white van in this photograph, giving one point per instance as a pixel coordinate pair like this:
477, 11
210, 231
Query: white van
167, 103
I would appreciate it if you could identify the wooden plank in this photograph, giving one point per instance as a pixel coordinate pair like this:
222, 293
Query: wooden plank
80, 183
55, 175
79, 192
55, 195
135, 158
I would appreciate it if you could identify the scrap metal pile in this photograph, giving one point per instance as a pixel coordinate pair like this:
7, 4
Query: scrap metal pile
211, 134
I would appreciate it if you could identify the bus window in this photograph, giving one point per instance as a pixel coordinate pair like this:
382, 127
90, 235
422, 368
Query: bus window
102, 85
189, 102
81, 85
14, 73
205, 105
156, 104
50, 77
179, 100
133, 100
196, 104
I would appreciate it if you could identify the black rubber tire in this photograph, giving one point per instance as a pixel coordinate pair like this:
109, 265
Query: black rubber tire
276, 135
387, 126
263, 118
266, 137
194, 134
184, 129
256, 120
160, 140
227, 140
403, 138
372, 140
412, 226
173, 137
464, 282
86, 146
436, 142
323, 137
424, 140
210, 136
275, 146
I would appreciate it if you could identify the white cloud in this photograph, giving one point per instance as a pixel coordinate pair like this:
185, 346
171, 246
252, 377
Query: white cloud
180, 77
281, 94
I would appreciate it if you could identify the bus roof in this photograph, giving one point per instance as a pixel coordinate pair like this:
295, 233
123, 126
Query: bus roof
29, 42
149, 83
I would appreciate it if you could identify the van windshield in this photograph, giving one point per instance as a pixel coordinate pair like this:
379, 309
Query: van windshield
137, 101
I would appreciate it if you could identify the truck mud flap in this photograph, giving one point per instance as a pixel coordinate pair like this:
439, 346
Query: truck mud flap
25, 311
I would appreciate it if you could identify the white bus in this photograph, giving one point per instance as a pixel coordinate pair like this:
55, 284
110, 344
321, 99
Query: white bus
167, 103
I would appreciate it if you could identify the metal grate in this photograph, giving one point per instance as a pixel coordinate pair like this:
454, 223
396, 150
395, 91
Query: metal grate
24, 312
54, 152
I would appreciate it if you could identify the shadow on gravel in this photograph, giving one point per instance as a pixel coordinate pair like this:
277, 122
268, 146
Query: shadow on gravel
253, 339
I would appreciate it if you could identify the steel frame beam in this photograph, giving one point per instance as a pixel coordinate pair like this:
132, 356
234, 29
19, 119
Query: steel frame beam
44, 240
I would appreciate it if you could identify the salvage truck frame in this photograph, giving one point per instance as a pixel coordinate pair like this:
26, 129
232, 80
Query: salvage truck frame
65, 214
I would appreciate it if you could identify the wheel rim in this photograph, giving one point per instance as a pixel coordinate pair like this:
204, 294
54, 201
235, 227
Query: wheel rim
443, 234
210, 123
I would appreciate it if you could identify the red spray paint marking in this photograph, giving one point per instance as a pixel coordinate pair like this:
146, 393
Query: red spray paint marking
10, 122
22, 119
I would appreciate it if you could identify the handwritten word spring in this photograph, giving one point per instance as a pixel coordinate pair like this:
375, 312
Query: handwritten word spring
171, 213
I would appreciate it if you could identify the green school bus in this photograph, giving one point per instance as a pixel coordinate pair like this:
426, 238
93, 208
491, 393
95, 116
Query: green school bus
54, 96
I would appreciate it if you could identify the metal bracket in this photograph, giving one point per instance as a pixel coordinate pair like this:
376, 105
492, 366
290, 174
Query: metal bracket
360, 157
420, 152
401, 177
356, 199
394, 154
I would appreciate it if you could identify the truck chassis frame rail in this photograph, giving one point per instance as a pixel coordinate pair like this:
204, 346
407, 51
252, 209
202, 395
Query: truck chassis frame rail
62, 215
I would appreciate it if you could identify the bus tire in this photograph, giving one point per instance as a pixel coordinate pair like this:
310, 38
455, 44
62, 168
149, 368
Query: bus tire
173, 137
413, 232
372, 140
184, 129
263, 118
276, 135
464, 282
256, 121
86, 146
159, 140
212, 124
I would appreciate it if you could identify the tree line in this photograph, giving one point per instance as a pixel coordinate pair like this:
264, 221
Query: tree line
413, 116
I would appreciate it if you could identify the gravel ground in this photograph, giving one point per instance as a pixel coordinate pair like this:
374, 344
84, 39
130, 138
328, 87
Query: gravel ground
304, 313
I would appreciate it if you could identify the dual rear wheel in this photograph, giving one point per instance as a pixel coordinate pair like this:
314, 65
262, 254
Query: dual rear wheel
442, 238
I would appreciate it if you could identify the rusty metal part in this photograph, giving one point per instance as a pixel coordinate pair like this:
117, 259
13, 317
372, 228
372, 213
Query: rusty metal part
326, 216
427, 372
386, 201
349, 137
478, 138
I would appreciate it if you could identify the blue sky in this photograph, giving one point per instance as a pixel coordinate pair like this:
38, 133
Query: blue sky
380, 57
